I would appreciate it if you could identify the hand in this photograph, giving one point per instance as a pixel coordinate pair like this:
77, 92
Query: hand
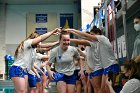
109, 83
88, 69
38, 76
57, 33
58, 30
43, 73
50, 73
69, 30
81, 73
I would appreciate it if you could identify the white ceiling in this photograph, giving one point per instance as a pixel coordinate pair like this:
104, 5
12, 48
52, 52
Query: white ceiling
37, 2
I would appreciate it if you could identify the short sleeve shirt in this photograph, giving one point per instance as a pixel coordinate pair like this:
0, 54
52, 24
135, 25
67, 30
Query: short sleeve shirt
26, 57
131, 86
92, 56
106, 51
64, 60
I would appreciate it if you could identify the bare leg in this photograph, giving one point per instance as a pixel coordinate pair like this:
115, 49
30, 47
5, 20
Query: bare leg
78, 87
70, 88
61, 87
96, 83
19, 84
84, 82
89, 85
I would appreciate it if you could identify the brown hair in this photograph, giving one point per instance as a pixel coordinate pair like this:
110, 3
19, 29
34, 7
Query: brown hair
137, 17
63, 32
133, 67
20, 46
96, 30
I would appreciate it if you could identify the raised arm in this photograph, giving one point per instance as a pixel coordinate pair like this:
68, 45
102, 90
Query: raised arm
80, 42
82, 34
45, 36
48, 44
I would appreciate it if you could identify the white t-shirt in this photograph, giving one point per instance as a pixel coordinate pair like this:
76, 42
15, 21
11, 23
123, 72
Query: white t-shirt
64, 60
92, 56
106, 51
131, 86
26, 58
37, 62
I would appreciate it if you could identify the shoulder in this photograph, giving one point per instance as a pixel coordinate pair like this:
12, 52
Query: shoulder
134, 81
131, 85
72, 48
54, 50
28, 43
101, 37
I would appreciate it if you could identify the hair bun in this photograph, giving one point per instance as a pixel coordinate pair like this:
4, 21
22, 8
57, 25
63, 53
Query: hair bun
94, 27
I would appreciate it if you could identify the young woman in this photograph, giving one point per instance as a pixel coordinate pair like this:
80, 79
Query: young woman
104, 56
24, 56
82, 81
63, 58
132, 71
92, 58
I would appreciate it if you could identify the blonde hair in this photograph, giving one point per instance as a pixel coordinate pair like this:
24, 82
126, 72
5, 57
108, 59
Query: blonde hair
20, 46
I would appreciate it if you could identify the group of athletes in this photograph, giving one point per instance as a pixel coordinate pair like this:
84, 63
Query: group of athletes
86, 64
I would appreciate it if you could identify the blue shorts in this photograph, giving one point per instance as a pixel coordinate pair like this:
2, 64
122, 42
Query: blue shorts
96, 73
69, 79
38, 79
46, 73
32, 80
43, 69
16, 71
77, 74
25, 72
115, 68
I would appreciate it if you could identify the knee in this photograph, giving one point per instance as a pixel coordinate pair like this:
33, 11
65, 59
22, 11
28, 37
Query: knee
97, 86
21, 91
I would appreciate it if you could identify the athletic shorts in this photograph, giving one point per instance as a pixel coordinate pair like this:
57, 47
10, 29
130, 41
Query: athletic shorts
25, 72
46, 74
38, 79
115, 68
96, 73
32, 80
77, 74
16, 71
69, 79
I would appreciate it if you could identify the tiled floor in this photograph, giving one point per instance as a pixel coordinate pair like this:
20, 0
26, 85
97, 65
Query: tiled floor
10, 89
7, 87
